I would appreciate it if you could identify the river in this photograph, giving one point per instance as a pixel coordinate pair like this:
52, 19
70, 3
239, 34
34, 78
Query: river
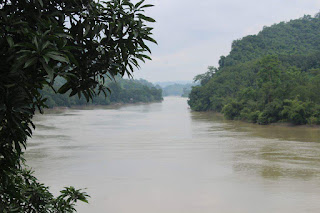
163, 158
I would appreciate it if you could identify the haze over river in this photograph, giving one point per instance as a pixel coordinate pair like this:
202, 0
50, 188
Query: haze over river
163, 158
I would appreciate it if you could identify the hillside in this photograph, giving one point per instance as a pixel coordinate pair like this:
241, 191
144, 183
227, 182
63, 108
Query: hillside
296, 37
269, 77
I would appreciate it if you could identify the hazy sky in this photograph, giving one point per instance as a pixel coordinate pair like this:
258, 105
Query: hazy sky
192, 35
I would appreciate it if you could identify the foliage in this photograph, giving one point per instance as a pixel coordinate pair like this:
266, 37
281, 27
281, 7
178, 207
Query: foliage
296, 111
83, 42
232, 109
296, 37
23, 193
121, 91
204, 78
271, 77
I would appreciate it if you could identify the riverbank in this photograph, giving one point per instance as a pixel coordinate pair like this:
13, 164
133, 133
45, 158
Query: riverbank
279, 124
98, 106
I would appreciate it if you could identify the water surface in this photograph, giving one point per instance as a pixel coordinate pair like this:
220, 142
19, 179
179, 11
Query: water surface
163, 158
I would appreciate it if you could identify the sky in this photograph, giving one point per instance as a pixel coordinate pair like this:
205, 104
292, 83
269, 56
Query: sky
192, 35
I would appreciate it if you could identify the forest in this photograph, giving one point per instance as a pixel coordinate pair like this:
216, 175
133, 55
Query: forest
120, 91
270, 77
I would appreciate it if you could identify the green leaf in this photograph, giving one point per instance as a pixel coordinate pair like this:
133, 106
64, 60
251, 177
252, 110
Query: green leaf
73, 93
150, 39
35, 41
147, 5
64, 88
47, 59
135, 62
40, 2
146, 18
63, 35
45, 45
72, 58
48, 69
58, 57
30, 62
10, 41
87, 29
139, 3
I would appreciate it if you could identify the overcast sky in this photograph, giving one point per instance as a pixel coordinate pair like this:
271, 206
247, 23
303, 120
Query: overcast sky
192, 35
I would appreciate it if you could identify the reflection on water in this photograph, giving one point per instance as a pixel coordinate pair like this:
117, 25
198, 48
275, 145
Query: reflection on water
274, 131
161, 157
272, 151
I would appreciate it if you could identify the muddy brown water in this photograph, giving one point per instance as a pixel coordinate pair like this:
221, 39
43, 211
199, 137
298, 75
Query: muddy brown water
163, 158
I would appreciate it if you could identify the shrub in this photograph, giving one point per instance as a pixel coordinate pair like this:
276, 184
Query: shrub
263, 118
232, 110
295, 111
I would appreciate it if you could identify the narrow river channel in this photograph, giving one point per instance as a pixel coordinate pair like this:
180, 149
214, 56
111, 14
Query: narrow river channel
163, 158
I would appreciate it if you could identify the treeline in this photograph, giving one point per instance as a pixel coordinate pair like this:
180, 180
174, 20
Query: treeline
271, 77
121, 91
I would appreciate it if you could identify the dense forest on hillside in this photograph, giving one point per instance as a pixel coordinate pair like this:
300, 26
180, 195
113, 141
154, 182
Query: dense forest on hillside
270, 77
121, 91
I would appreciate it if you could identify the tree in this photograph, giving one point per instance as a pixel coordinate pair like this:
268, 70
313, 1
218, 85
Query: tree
268, 77
204, 78
81, 41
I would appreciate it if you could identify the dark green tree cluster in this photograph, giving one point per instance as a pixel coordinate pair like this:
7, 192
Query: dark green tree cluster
267, 83
121, 91
84, 42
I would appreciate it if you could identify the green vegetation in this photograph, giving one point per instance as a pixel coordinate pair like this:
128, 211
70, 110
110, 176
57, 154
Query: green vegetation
121, 91
83, 42
270, 77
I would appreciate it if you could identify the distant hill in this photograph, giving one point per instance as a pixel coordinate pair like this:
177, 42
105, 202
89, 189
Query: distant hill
163, 84
273, 76
177, 90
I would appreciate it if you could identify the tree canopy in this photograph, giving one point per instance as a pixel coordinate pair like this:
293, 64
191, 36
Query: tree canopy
269, 77
121, 91
295, 37
82, 41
